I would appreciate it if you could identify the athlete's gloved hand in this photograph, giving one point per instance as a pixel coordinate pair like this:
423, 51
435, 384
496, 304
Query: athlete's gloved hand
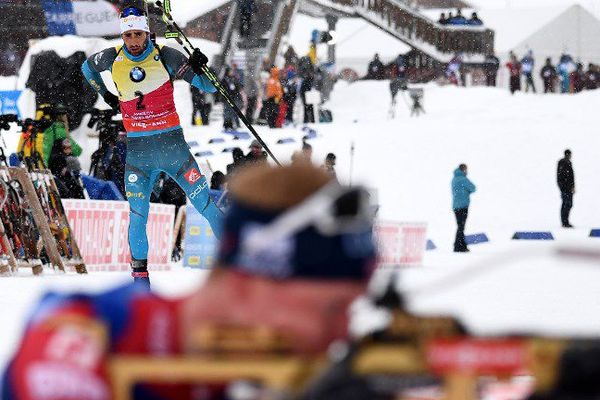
197, 60
111, 100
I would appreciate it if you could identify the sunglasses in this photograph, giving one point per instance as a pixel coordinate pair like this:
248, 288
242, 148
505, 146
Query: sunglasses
132, 11
333, 210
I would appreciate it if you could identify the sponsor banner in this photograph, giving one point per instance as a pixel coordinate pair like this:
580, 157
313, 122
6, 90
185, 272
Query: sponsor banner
400, 243
8, 102
82, 18
101, 230
200, 243
96, 18
477, 356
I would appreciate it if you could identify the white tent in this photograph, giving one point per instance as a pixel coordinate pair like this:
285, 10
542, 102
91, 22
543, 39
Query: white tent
575, 31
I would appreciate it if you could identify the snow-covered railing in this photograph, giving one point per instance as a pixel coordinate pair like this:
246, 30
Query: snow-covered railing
409, 25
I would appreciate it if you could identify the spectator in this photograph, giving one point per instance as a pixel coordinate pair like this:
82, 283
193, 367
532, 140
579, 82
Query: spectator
527, 64
492, 64
591, 77
307, 151
290, 93
253, 94
514, 68
290, 57
462, 188
247, 9
306, 71
256, 155
548, 75
108, 162
57, 131
200, 106
274, 93
453, 70
230, 118
565, 67
329, 165
376, 69
442, 20
238, 161
66, 169
577, 79
565, 178
459, 19
167, 191
475, 21
217, 181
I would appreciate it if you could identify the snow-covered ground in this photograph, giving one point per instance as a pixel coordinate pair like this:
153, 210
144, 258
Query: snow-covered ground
511, 144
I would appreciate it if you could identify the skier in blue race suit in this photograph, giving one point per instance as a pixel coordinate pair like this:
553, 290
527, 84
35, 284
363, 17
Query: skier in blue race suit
143, 74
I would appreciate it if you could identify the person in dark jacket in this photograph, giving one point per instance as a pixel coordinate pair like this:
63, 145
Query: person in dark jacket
376, 69
306, 71
565, 178
256, 155
462, 188
66, 169
200, 106
549, 76
231, 82
247, 8
108, 162
578, 79
238, 161
492, 64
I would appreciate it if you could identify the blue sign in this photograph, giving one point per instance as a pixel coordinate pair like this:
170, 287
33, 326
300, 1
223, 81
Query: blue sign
8, 102
59, 17
199, 242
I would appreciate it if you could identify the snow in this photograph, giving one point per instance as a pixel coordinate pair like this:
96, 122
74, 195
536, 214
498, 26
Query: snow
184, 11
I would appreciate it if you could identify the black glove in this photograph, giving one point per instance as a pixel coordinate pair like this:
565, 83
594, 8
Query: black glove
197, 60
111, 100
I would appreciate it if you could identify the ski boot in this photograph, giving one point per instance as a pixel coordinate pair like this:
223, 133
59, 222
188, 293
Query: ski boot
139, 272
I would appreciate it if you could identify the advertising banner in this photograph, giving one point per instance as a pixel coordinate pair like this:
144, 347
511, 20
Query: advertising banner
101, 230
478, 356
400, 243
8, 102
199, 242
82, 18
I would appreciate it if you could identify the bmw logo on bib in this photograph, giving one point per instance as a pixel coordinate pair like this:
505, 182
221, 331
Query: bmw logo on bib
137, 74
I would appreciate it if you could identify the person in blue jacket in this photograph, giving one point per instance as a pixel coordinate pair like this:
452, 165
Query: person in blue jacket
462, 188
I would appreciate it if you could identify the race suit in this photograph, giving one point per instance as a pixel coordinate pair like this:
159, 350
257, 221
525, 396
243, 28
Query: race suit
155, 141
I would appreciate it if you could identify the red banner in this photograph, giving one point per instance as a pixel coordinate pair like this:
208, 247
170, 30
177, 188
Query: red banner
400, 244
100, 228
477, 356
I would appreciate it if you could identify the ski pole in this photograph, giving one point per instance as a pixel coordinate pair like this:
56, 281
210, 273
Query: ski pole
175, 32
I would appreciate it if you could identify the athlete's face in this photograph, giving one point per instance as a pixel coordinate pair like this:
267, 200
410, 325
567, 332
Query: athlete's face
135, 41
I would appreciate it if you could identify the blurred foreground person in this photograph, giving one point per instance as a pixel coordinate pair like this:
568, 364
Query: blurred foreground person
297, 249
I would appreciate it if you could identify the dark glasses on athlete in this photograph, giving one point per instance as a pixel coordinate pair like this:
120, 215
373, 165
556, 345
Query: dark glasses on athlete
132, 11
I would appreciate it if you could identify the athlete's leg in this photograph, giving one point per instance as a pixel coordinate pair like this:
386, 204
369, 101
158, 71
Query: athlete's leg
182, 167
140, 174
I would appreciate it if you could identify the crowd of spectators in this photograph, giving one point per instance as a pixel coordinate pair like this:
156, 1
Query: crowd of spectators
257, 155
271, 99
567, 76
459, 19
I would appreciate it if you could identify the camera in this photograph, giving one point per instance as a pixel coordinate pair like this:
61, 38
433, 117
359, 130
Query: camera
5, 121
100, 117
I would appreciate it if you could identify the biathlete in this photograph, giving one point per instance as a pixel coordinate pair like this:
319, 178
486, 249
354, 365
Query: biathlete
143, 73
